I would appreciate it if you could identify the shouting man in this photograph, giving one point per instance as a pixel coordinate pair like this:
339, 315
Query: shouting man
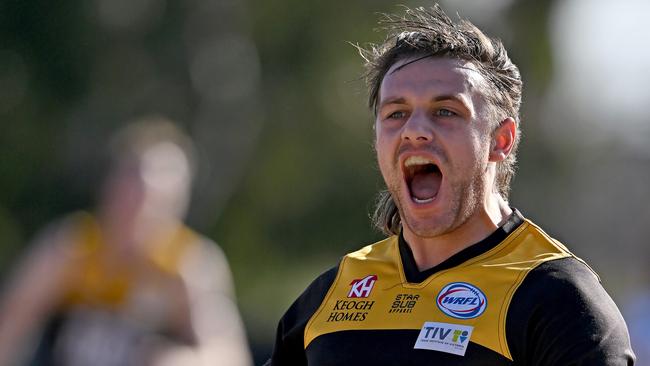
463, 278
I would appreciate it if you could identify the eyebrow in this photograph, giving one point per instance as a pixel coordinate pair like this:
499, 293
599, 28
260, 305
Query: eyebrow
439, 98
451, 97
395, 100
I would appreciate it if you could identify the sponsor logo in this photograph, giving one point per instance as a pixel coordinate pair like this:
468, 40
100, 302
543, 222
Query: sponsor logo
444, 337
404, 303
362, 287
461, 300
350, 310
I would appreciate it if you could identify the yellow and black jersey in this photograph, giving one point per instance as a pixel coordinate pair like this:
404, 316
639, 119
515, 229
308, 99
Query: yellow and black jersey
94, 281
109, 307
518, 297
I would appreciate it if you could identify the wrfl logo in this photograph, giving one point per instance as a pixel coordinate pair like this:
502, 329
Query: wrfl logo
461, 300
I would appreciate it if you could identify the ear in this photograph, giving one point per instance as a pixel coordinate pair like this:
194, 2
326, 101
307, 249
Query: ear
503, 139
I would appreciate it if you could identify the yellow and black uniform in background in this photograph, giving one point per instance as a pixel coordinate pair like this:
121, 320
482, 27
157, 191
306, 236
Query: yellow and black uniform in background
518, 297
110, 307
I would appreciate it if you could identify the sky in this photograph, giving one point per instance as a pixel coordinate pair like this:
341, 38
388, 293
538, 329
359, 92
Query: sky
602, 52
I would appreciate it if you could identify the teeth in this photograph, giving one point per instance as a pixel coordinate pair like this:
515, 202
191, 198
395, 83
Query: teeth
417, 200
417, 160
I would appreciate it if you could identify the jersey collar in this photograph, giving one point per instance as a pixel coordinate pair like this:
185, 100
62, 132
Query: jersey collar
413, 275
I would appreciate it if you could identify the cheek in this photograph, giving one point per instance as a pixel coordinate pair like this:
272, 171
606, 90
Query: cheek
380, 150
468, 153
482, 146
386, 139
385, 155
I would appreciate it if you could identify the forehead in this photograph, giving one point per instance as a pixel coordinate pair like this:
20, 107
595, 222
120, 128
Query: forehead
437, 75
161, 155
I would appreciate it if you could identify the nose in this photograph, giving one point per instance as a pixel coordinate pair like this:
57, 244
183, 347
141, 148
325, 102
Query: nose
417, 128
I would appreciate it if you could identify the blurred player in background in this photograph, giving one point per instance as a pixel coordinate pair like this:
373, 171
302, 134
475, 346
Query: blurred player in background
129, 284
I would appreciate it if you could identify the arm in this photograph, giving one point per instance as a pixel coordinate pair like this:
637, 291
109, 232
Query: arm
561, 315
289, 347
32, 292
215, 320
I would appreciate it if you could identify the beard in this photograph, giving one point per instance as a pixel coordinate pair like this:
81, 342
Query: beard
464, 199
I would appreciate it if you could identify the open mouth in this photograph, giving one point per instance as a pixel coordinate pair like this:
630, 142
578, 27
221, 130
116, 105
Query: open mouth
423, 178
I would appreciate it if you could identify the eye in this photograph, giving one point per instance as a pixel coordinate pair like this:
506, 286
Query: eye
397, 115
443, 112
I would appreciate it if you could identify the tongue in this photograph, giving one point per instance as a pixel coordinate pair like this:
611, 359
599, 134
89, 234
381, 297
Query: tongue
425, 185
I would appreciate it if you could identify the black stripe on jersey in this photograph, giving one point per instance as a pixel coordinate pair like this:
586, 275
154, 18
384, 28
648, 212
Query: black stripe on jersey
357, 347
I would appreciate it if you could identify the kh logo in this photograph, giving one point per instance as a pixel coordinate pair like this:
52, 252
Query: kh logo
362, 287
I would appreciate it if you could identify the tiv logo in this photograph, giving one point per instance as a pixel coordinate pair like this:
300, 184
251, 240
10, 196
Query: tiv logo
450, 338
362, 287
459, 336
442, 333
461, 300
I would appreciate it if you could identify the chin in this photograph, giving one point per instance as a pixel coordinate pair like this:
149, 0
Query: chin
443, 217
427, 228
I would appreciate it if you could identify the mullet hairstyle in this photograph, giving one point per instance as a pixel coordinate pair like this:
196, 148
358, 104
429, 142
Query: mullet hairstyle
421, 33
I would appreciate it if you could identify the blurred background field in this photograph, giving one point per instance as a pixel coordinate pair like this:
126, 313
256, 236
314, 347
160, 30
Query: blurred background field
271, 93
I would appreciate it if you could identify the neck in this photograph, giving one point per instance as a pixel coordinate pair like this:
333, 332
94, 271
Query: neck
428, 252
130, 237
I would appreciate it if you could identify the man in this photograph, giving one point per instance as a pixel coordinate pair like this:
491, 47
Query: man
463, 278
129, 284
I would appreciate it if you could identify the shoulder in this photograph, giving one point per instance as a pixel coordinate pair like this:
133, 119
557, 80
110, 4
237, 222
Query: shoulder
204, 266
314, 295
47, 267
202, 251
61, 240
531, 235
561, 314
289, 341
383, 250
311, 298
562, 281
